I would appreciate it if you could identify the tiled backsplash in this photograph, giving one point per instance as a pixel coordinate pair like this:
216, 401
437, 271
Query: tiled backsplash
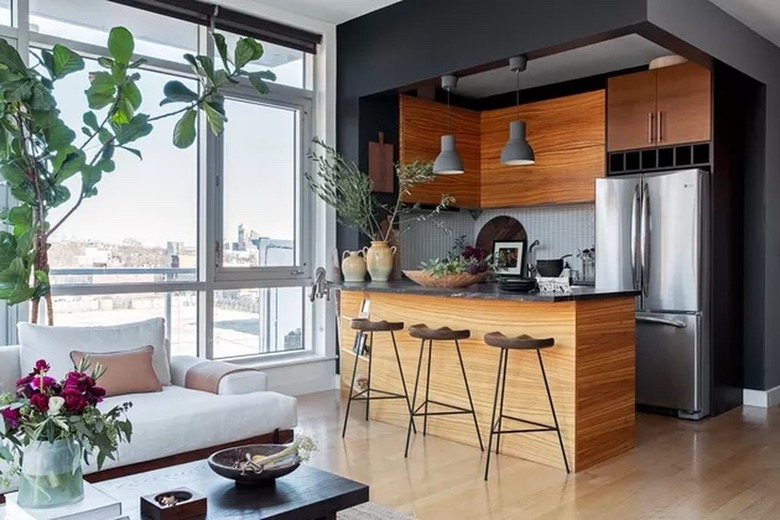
559, 229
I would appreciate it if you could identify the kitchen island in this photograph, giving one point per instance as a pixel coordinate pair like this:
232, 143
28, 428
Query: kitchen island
591, 368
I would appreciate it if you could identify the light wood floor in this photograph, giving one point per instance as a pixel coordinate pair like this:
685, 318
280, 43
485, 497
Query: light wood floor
718, 469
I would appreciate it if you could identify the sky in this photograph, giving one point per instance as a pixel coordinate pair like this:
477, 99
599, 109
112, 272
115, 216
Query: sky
155, 200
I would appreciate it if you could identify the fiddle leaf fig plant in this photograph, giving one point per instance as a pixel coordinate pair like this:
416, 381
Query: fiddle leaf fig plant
39, 152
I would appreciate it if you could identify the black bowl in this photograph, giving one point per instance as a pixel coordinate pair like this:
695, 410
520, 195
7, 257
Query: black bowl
232, 463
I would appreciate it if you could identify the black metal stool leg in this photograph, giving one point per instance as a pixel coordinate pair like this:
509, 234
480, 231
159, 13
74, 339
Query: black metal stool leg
370, 362
468, 392
351, 390
414, 399
427, 387
552, 408
505, 353
403, 380
493, 418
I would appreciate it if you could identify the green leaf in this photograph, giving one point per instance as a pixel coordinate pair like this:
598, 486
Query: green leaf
106, 165
11, 59
24, 245
105, 136
133, 151
121, 45
207, 65
59, 136
60, 195
257, 79
132, 94
219, 43
41, 99
90, 119
65, 61
67, 163
175, 92
90, 176
7, 250
14, 175
47, 58
136, 128
247, 49
18, 91
184, 132
105, 62
101, 91
19, 215
215, 119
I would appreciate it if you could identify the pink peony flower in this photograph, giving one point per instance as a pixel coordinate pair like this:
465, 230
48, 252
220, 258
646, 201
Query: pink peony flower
11, 417
40, 402
41, 367
43, 383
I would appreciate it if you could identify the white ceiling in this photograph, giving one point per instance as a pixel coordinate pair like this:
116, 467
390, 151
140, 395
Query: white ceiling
333, 11
763, 16
618, 54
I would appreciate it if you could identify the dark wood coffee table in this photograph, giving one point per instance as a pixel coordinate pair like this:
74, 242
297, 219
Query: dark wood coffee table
306, 494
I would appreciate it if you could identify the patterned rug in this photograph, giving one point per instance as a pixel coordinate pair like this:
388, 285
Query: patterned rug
371, 511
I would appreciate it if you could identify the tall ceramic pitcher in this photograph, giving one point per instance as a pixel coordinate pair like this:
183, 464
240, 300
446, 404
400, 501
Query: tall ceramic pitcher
379, 259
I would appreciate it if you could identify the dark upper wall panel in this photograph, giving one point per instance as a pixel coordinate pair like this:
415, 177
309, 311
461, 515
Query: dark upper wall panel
415, 40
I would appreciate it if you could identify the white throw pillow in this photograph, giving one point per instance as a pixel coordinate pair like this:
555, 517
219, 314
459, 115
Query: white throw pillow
54, 344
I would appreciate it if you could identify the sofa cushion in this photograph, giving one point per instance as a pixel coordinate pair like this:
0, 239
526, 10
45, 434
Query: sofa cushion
126, 372
179, 420
54, 344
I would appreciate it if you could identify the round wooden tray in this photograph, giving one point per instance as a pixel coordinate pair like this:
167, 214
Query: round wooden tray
448, 280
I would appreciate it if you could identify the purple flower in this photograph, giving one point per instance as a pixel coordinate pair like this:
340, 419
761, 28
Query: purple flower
43, 383
11, 416
41, 367
40, 402
75, 402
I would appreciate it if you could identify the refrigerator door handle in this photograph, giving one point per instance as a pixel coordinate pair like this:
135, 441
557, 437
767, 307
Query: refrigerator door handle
644, 239
635, 217
662, 321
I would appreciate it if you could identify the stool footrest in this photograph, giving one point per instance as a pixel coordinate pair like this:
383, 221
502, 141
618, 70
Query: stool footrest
525, 421
385, 395
457, 409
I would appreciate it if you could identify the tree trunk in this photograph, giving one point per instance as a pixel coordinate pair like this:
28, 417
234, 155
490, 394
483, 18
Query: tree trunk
41, 263
34, 310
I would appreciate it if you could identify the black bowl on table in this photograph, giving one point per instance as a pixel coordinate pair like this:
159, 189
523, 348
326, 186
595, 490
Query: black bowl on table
236, 464
519, 285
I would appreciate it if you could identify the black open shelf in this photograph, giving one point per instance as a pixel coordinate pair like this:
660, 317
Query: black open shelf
659, 159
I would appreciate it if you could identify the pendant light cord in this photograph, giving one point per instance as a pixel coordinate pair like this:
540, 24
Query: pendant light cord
449, 124
517, 72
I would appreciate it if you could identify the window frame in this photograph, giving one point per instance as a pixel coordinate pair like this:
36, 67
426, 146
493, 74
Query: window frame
210, 277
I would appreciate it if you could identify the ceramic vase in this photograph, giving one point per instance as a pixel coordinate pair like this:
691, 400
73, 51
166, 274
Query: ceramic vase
379, 260
353, 266
51, 474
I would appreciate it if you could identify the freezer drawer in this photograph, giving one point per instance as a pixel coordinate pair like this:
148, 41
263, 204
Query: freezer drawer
668, 361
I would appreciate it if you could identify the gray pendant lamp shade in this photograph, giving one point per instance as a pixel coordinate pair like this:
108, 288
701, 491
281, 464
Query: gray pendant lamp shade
517, 151
448, 161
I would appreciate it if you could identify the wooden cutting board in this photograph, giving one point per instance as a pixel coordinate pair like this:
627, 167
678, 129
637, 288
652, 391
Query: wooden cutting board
500, 228
380, 165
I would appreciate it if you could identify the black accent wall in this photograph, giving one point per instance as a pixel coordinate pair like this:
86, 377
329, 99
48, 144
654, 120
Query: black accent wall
416, 40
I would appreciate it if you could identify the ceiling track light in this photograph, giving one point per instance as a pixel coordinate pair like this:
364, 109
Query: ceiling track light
517, 152
448, 161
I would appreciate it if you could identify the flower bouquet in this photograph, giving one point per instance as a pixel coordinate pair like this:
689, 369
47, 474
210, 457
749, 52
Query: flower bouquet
49, 426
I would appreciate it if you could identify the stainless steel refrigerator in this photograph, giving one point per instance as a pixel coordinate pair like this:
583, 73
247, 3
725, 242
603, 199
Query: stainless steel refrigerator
652, 234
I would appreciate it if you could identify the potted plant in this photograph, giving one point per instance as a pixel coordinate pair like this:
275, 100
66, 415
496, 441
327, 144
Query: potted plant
39, 152
48, 427
341, 185
465, 266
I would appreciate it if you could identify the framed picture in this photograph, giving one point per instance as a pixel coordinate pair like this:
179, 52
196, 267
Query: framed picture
509, 257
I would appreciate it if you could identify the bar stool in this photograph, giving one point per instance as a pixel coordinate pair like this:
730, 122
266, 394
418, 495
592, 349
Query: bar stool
524, 342
425, 333
365, 326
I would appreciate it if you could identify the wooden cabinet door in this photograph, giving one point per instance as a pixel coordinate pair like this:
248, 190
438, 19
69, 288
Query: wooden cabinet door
684, 104
422, 123
631, 111
567, 135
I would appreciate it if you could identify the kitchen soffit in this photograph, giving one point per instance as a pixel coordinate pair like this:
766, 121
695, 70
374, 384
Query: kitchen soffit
763, 16
331, 11
612, 55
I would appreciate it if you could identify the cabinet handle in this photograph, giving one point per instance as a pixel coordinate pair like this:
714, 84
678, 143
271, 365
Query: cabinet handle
660, 127
650, 129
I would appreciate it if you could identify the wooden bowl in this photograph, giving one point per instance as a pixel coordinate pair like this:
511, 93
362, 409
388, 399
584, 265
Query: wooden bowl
231, 463
448, 280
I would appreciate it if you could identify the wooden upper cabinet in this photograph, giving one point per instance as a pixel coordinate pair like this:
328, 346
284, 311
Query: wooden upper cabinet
567, 135
660, 107
684, 104
631, 111
422, 123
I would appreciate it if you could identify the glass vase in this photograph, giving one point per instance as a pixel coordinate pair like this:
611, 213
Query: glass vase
51, 474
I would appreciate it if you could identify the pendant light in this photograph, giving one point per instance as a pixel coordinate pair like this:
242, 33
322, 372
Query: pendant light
448, 162
517, 151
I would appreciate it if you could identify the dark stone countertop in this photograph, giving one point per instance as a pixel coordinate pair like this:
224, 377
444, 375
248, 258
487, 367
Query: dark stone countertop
485, 291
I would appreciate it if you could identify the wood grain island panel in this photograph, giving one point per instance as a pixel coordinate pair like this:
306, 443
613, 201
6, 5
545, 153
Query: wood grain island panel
590, 370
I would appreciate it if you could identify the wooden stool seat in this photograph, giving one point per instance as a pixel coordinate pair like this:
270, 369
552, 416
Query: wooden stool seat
366, 325
424, 332
523, 342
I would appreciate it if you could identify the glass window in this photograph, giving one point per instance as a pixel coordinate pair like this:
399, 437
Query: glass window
248, 322
288, 64
6, 17
89, 21
142, 225
180, 310
260, 186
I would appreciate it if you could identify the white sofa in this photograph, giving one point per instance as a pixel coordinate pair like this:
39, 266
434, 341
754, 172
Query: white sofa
174, 422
